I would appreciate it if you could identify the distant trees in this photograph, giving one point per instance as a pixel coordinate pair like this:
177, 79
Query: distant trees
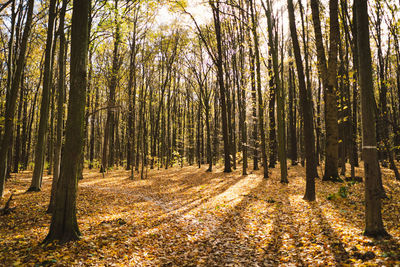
232, 89
12, 95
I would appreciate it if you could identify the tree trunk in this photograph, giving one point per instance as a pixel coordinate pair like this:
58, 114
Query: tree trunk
254, 109
271, 110
64, 226
36, 183
225, 133
329, 77
259, 93
12, 99
280, 98
60, 107
306, 109
373, 217
17, 144
292, 112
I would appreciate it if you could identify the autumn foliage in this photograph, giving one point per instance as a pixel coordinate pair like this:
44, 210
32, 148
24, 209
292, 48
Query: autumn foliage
188, 217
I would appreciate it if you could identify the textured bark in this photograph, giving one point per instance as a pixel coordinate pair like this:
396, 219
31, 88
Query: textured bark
60, 107
280, 98
222, 90
36, 183
328, 76
17, 143
132, 83
383, 129
306, 107
254, 109
292, 112
373, 217
271, 114
64, 226
109, 131
242, 94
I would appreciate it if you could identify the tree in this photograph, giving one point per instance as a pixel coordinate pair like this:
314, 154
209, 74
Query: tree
259, 93
373, 217
44, 108
328, 76
12, 98
222, 90
279, 95
64, 226
60, 106
109, 135
306, 107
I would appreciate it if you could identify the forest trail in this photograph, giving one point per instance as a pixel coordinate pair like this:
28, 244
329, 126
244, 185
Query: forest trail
188, 217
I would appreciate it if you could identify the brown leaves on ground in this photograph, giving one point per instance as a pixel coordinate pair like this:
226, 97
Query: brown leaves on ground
187, 217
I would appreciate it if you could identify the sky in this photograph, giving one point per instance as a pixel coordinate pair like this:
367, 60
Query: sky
197, 8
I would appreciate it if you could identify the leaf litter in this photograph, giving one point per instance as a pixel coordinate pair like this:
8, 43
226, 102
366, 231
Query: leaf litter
189, 217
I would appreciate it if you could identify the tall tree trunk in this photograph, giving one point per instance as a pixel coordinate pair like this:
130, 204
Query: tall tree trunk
306, 109
329, 77
222, 89
24, 137
209, 152
64, 225
373, 217
17, 144
280, 97
12, 99
292, 112
254, 109
259, 92
271, 110
242, 95
60, 107
36, 183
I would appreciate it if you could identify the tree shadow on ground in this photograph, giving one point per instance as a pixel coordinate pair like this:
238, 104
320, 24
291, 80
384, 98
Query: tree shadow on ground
336, 245
221, 244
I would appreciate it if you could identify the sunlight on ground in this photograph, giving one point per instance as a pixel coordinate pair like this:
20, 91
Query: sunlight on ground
190, 217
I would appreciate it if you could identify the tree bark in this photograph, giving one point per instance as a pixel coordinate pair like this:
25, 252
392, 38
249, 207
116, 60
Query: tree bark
373, 217
259, 92
306, 108
329, 77
64, 226
36, 183
60, 107
220, 71
280, 98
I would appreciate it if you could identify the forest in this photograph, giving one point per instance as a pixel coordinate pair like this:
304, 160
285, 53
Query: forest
199, 133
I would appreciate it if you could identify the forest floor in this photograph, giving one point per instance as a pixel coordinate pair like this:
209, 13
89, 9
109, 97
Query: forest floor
187, 217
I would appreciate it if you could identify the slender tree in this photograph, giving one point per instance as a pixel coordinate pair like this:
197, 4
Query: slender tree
279, 95
328, 75
12, 97
259, 92
222, 90
60, 106
306, 110
40, 150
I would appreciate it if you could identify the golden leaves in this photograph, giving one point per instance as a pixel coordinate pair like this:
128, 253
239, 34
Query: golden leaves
189, 217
